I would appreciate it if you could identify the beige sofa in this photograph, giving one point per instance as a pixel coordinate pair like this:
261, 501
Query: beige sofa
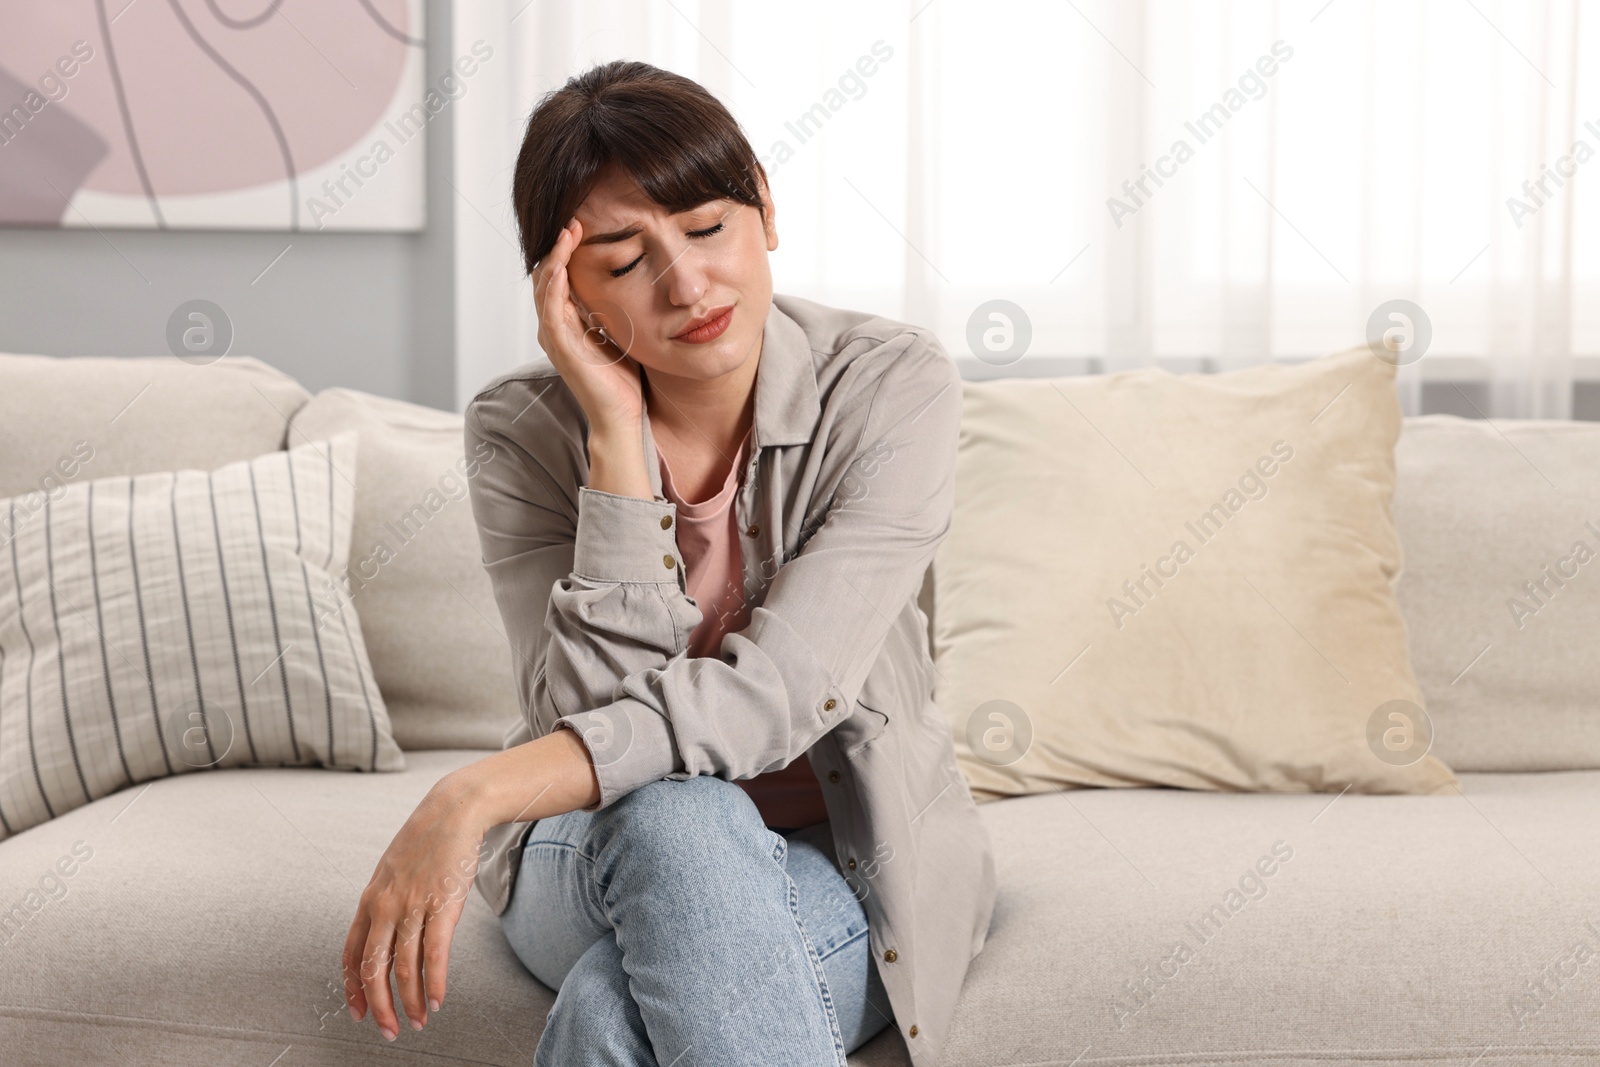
207, 925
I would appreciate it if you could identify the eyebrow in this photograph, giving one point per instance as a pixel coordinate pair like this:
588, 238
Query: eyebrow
618, 236
614, 237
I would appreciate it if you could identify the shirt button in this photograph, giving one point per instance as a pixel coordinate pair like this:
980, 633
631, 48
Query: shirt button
753, 530
666, 522
913, 1030
852, 863
890, 955
827, 705
669, 561
833, 776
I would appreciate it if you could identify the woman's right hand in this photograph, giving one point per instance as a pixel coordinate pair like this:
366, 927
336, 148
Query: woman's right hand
600, 374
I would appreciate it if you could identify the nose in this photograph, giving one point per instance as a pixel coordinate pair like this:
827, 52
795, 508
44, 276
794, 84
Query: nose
685, 278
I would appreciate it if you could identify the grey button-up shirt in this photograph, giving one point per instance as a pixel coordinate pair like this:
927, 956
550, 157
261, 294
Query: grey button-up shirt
850, 488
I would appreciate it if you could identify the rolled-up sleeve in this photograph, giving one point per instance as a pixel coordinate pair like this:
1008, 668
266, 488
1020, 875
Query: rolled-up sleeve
797, 669
583, 587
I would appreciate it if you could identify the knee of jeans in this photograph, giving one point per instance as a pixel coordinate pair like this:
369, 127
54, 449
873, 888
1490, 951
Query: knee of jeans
694, 815
593, 1011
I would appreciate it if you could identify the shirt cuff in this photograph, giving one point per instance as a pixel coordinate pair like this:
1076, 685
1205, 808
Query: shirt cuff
625, 538
629, 743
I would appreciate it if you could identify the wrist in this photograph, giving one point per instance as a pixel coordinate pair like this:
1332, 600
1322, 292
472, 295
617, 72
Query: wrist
550, 775
611, 436
464, 794
617, 461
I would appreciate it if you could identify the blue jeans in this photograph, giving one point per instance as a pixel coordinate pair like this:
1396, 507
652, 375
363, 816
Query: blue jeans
679, 931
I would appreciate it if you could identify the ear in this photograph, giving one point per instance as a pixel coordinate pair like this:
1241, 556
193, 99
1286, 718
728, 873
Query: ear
770, 209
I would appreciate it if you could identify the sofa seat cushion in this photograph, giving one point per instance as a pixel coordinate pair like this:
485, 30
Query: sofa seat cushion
205, 927
207, 923
1401, 930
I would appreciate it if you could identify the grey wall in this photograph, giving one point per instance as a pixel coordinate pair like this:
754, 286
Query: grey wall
372, 311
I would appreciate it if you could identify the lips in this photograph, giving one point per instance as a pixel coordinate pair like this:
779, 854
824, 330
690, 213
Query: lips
707, 328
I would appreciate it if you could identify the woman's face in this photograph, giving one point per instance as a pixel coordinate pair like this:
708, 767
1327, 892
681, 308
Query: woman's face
646, 276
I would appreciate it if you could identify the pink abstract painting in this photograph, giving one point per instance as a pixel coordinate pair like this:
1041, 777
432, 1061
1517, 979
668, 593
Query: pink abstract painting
215, 114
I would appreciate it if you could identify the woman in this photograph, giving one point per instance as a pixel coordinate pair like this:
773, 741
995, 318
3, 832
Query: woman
729, 827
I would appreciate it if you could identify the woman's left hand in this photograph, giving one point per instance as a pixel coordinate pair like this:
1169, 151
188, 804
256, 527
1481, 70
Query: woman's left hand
408, 912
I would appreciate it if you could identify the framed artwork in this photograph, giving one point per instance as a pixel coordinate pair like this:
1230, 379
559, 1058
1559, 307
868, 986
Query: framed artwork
214, 114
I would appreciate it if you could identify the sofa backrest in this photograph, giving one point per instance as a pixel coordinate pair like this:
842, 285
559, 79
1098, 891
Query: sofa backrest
416, 578
63, 419
416, 574
1500, 525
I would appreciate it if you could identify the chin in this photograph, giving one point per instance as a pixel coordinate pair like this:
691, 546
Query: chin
713, 361
727, 353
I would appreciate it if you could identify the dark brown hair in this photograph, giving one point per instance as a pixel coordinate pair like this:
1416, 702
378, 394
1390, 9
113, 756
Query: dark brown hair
666, 131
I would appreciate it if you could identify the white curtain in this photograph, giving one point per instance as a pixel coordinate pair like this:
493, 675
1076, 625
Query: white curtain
1200, 184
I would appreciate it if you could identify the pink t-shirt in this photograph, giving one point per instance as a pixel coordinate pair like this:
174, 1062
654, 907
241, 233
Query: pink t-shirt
713, 561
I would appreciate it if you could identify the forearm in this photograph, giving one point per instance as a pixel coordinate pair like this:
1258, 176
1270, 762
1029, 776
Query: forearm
547, 776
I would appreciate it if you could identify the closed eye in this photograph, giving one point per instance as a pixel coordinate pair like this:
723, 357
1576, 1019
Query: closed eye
620, 271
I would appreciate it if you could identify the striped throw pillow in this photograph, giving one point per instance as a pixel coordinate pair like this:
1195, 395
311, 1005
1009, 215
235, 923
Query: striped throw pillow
164, 623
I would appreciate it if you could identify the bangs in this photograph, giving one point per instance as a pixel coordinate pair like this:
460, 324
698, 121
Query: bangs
663, 130
677, 169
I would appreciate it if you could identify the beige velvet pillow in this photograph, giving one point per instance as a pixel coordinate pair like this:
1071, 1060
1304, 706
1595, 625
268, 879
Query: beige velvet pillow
1186, 581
